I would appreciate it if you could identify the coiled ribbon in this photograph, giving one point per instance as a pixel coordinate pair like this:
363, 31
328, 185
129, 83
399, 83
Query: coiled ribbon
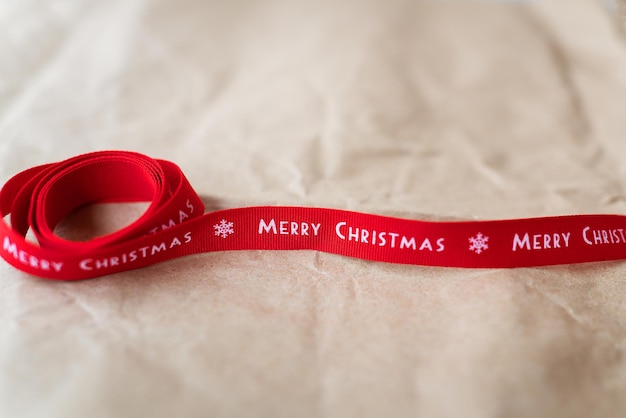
175, 225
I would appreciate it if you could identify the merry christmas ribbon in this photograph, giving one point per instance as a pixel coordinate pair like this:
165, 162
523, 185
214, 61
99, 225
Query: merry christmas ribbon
175, 225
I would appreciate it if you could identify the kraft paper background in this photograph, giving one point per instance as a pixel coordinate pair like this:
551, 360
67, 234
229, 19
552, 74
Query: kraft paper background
423, 109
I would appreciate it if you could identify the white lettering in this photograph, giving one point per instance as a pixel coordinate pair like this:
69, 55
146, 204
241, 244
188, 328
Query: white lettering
29, 259
89, 264
521, 243
170, 224
9, 247
267, 227
426, 244
404, 243
158, 248
86, 264
541, 241
288, 227
393, 239
536, 244
338, 230
603, 236
364, 235
383, 240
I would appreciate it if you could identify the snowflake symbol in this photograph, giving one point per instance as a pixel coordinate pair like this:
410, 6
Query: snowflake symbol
223, 229
478, 243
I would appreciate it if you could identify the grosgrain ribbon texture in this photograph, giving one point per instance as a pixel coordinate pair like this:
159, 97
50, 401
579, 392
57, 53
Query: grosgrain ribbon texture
175, 225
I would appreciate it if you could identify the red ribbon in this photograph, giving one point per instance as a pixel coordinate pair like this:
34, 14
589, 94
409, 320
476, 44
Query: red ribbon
175, 225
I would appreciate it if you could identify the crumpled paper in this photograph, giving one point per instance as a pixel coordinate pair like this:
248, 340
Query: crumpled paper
421, 109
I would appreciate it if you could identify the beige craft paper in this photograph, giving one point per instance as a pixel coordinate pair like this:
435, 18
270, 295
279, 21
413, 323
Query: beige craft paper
433, 109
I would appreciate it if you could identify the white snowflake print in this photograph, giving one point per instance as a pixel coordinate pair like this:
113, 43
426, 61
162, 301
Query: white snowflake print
223, 229
478, 243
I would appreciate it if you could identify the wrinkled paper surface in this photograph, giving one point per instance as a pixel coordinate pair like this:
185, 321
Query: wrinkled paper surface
427, 110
